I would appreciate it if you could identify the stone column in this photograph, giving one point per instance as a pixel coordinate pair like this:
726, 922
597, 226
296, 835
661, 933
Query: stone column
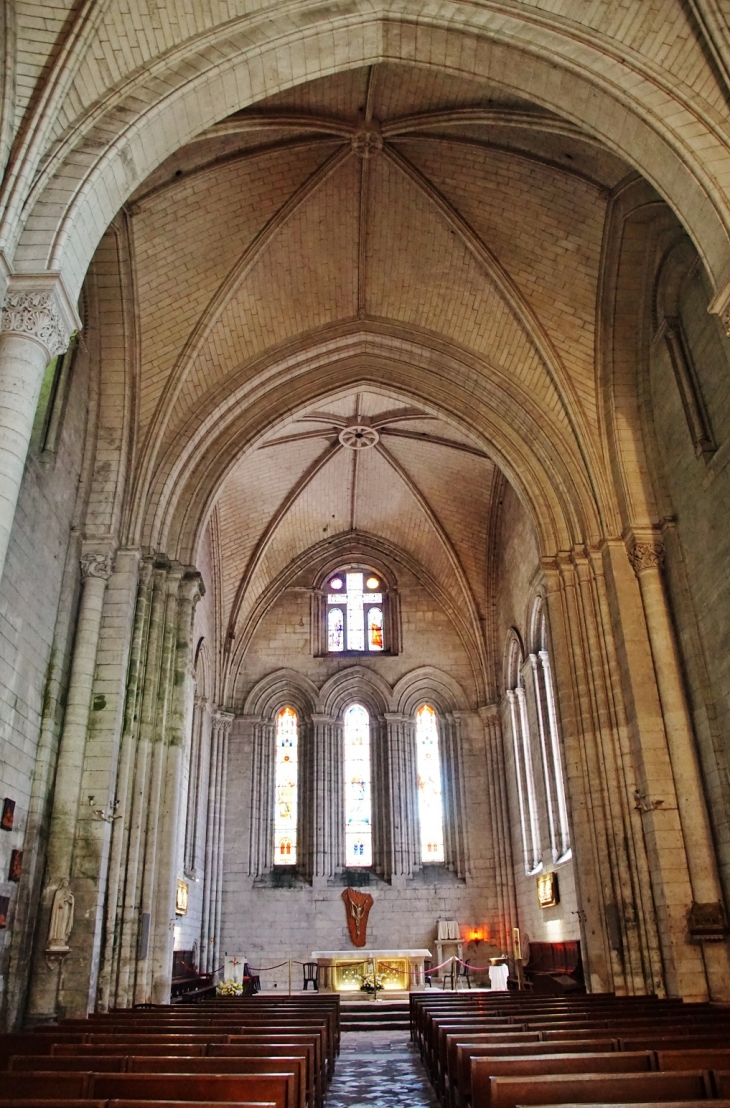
95, 572
403, 855
193, 793
133, 925
499, 822
455, 841
261, 840
222, 723
647, 559
114, 929
215, 839
36, 325
176, 725
616, 894
328, 851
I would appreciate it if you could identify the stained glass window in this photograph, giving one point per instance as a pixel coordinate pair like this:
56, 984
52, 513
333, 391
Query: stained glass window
285, 808
359, 625
335, 629
358, 802
375, 628
430, 792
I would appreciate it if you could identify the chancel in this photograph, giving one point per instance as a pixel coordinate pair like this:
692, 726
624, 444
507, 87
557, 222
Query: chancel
364, 543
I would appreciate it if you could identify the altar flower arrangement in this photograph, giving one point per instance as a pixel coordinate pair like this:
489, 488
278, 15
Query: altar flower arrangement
229, 988
371, 982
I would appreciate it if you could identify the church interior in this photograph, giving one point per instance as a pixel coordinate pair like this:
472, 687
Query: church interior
365, 560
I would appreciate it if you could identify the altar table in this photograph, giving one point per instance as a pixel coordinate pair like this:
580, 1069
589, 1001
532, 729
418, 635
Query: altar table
340, 970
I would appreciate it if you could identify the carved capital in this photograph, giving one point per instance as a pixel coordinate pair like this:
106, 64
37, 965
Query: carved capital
644, 555
39, 308
223, 721
96, 565
725, 318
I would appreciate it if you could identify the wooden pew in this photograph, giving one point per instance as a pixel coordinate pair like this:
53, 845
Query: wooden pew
293, 1068
593, 1088
209, 1087
461, 1069
484, 1069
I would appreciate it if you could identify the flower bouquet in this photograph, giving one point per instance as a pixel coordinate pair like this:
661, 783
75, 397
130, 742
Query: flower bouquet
371, 982
229, 988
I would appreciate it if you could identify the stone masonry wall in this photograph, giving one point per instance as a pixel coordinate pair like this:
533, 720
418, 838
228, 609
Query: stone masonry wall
517, 573
30, 659
270, 925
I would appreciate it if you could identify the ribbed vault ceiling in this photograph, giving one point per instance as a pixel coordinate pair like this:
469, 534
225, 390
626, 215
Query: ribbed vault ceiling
385, 196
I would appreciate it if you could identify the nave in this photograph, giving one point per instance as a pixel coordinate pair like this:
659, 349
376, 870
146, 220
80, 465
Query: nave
364, 462
477, 1051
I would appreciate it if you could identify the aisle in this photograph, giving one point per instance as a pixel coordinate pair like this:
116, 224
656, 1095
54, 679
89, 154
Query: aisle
379, 1068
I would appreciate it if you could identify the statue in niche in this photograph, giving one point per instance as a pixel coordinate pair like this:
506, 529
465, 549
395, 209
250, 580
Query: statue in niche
357, 907
62, 919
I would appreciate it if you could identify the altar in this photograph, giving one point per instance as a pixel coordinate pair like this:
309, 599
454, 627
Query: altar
342, 970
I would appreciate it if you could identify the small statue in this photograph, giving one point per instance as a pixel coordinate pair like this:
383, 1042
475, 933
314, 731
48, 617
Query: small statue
62, 919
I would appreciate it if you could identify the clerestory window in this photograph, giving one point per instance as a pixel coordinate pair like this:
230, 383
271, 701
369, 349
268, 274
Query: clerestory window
355, 612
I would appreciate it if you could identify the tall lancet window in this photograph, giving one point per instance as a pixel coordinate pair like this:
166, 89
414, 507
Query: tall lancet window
358, 798
285, 806
522, 745
430, 790
547, 717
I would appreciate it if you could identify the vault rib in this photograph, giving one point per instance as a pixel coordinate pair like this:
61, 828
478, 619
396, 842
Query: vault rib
435, 440
272, 526
201, 333
451, 554
569, 399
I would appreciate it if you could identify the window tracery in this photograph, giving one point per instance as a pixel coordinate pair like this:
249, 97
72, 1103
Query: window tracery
355, 611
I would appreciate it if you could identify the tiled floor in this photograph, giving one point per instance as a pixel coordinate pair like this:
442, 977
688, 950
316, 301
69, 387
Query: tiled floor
379, 1068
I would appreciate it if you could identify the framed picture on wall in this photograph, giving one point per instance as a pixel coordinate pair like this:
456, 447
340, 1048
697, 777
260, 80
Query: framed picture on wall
547, 890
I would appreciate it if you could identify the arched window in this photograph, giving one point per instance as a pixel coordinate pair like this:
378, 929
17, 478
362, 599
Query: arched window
552, 762
358, 798
355, 612
285, 805
430, 789
522, 745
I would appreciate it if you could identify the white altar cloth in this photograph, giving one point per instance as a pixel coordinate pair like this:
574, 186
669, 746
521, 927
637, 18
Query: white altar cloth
333, 965
498, 978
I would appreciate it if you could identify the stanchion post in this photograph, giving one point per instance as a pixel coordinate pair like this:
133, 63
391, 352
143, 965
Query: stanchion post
454, 973
290, 977
375, 979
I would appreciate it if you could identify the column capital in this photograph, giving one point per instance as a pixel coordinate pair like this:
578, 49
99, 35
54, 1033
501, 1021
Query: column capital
38, 307
646, 555
95, 564
224, 719
488, 712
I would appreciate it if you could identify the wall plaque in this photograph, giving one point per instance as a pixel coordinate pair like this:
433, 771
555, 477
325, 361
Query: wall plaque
8, 816
547, 890
357, 907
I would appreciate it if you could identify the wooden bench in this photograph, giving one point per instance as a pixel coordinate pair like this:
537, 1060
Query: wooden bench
593, 1088
484, 1069
295, 1068
466, 1051
278, 1090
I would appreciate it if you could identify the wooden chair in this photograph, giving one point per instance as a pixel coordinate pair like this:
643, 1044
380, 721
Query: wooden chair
311, 973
